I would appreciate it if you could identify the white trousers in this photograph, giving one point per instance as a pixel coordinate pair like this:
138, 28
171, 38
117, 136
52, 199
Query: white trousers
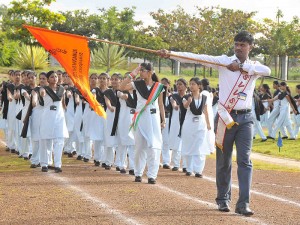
130, 151
166, 154
79, 146
258, 129
35, 158
47, 147
70, 143
195, 163
109, 156
144, 155
24, 150
87, 150
98, 150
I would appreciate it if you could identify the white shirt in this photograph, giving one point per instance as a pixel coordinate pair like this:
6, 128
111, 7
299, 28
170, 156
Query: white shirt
227, 78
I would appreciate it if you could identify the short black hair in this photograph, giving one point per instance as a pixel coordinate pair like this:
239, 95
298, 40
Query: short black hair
276, 82
244, 36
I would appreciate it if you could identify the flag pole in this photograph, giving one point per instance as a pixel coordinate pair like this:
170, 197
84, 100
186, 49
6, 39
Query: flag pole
155, 51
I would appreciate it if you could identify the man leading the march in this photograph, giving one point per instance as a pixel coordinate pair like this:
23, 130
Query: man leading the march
234, 124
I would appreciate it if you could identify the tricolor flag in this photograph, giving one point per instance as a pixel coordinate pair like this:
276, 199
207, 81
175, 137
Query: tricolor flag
72, 52
156, 90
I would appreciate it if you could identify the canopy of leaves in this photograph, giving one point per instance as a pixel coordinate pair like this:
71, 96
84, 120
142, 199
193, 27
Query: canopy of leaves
30, 12
210, 31
7, 50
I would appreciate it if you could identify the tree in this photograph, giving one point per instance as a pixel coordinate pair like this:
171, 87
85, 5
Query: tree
30, 12
80, 22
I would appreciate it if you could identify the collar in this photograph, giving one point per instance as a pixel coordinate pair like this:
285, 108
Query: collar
234, 58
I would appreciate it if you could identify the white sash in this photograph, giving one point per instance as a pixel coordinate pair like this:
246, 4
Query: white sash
225, 120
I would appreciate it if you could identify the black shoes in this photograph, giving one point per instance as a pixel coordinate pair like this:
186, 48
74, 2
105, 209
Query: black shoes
57, 170
13, 151
26, 158
198, 175
79, 157
188, 173
86, 160
117, 168
107, 167
246, 211
151, 181
284, 137
33, 166
263, 140
166, 166
184, 170
103, 165
70, 155
269, 137
138, 179
122, 171
223, 207
175, 168
44, 169
131, 172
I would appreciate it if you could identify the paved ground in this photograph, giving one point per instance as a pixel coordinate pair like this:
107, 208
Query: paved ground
84, 194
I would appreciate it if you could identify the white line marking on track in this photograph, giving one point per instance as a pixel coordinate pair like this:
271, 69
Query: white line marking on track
208, 204
273, 197
278, 185
96, 201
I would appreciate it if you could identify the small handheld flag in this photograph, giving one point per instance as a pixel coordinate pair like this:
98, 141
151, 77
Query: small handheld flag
279, 141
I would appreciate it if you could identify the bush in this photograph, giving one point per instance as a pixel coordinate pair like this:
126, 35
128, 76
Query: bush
7, 51
23, 58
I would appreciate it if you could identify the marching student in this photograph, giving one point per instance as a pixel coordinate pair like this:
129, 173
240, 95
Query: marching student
148, 120
86, 121
215, 101
69, 146
27, 108
275, 112
284, 118
166, 154
128, 101
177, 115
194, 129
97, 123
206, 90
257, 109
297, 117
264, 95
112, 116
35, 122
12, 108
53, 129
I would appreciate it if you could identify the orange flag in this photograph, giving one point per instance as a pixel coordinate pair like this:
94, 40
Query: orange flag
72, 52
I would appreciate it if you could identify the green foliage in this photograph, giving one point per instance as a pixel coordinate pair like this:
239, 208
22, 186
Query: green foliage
211, 31
109, 56
24, 58
7, 50
30, 12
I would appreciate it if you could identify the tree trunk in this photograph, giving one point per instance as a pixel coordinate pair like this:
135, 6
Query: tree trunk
159, 65
204, 70
108, 60
195, 70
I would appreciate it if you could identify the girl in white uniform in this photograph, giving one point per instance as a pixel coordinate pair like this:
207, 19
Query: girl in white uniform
194, 129
284, 118
128, 101
209, 101
297, 117
35, 121
166, 154
112, 116
265, 94
176, 120
147, 133
53, 129
26, 93
11, 114
97, 123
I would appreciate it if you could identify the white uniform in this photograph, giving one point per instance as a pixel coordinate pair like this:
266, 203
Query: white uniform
148, 138
126, 139
53, 131
210, 133
194, 140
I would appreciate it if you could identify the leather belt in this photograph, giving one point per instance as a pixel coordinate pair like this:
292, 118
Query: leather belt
240, 111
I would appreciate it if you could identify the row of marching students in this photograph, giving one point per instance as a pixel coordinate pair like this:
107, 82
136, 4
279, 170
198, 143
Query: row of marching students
60, 119
33, 116
277, 112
